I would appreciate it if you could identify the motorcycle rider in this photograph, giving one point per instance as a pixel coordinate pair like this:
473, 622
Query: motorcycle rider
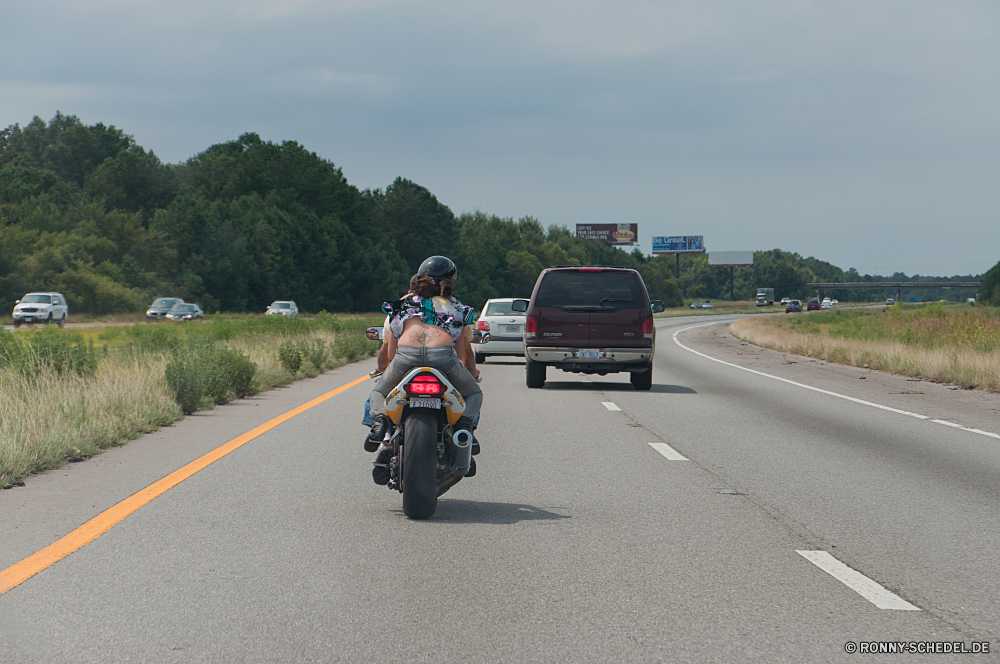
424, 329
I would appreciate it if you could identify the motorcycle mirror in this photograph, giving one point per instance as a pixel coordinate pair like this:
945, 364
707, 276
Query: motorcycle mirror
519, 305
374, 333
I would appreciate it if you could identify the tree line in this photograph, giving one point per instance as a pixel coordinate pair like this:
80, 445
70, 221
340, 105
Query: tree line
86, 211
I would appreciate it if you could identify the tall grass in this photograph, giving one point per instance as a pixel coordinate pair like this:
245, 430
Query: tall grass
56, 407
948, 344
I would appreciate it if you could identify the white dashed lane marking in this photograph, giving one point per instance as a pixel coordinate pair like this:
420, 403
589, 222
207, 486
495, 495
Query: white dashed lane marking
668, 451
949, 424
610, 406
858, 582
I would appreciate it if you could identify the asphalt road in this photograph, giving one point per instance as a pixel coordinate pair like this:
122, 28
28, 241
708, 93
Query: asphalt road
578, 540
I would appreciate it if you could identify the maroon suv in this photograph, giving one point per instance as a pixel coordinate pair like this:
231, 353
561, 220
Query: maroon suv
593, 320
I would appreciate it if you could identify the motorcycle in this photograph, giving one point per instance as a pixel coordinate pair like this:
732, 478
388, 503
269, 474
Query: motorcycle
423, 454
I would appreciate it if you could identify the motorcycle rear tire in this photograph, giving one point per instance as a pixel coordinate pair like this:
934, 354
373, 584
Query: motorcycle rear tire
420, 465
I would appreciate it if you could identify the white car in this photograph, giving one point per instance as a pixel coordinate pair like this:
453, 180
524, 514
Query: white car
826, 304
707, 305
890, 301
505, 327
41, 308
283, 308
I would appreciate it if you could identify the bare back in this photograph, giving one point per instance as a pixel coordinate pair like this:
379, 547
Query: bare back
418, 333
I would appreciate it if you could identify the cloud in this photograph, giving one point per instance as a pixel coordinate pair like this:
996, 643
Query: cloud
685, 116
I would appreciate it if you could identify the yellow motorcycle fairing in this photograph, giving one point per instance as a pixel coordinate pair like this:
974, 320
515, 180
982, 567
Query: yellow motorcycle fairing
453, 403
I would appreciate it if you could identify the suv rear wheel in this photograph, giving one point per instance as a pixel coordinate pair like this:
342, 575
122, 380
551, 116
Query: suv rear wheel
642, 380
534, 373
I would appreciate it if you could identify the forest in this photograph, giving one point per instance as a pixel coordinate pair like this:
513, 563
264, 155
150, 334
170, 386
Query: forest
87, 212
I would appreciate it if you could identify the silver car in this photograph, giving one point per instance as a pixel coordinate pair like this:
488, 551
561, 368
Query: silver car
185, 311
41, 308
505, 328
282, 308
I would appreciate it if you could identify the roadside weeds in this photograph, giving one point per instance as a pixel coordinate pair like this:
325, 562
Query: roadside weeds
51, 414
957, 364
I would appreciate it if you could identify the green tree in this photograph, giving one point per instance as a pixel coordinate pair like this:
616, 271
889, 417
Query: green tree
989, 286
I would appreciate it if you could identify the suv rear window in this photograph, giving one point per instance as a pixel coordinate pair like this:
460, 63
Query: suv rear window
590, 290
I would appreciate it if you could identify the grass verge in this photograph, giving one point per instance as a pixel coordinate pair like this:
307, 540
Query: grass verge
953, 344
64, 398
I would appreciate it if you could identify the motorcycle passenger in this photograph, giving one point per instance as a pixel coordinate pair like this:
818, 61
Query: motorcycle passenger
424, 328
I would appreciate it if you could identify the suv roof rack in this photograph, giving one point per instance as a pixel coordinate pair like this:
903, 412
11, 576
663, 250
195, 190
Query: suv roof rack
617, 267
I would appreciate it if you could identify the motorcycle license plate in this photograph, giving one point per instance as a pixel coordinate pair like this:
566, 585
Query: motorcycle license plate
513, 328
425, 403
590, 354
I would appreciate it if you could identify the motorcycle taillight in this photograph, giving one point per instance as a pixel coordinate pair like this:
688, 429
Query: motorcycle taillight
425, 385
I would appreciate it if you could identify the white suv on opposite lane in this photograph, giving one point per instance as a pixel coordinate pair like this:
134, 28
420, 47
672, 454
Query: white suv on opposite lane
41, 308
505, 327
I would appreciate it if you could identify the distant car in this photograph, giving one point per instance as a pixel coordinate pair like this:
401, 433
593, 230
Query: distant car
185, 311
812, 304
696, 305
282, 308
793, 305
505, 328
785, 301
835, 301
160, 307
41, 308
890, 301
707, 305
826, 304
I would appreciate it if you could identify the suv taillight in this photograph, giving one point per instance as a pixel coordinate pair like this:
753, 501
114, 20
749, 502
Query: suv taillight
483, 325
647, 328
530, 327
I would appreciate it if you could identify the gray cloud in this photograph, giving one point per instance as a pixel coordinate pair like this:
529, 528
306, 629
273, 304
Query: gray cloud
857, 133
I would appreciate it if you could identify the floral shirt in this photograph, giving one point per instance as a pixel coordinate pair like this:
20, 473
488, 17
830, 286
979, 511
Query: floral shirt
450, 315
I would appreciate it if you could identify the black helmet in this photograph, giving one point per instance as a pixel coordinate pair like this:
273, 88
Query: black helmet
438, 268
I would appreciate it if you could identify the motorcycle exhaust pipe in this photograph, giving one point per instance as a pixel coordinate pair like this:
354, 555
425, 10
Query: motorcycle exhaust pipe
461, 451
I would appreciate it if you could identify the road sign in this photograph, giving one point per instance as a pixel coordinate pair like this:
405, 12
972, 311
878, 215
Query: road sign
730, 258
679, 244
613, 233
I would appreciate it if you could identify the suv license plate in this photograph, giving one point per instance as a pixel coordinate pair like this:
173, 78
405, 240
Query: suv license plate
513, 328
425, 403
589, 354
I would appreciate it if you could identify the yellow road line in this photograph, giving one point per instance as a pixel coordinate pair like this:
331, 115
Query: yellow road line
100, 524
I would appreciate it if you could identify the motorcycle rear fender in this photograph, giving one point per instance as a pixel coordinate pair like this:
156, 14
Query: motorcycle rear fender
396, 400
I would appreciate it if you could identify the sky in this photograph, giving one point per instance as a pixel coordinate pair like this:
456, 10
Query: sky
865, 134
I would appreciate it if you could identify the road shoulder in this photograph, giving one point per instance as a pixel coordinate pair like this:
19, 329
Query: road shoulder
53, 503
976, 409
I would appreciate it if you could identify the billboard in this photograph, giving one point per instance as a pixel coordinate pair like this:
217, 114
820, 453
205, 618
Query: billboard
727, 258
679, 244
613, 233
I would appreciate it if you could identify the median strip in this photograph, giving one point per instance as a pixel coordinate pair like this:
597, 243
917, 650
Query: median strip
100, 524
